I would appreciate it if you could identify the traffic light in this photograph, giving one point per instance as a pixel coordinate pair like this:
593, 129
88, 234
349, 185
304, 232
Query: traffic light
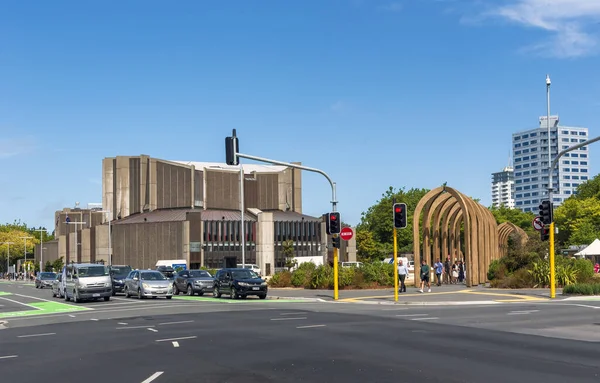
333, 223
400, 215
232, 148
546, 212
335, 241
545, 234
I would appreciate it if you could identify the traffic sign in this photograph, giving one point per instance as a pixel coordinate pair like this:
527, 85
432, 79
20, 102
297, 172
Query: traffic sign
346, 234
538, 224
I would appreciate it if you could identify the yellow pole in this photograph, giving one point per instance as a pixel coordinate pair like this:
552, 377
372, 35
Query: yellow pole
335, 274
551, 256
395, 266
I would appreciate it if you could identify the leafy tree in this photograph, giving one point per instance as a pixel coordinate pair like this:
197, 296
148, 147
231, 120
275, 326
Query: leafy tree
48, 266
588, 189
289, 252
367, 249
514, 216
58, 264
578, 220
378, 221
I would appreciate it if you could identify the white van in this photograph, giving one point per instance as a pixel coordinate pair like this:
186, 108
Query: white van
252, 267
86, 281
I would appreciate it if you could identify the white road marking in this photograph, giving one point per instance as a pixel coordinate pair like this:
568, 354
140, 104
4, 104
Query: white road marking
20, 303
429, 318
95, 320
127, 328
172, 339
153, 376
588, 306
411, 315
313, 326
399, 309
175, 344
8, 356
292, 313
522, 312
289, 318
122, 323
72, 316
168, 323
152, 329
39, 299
32, 335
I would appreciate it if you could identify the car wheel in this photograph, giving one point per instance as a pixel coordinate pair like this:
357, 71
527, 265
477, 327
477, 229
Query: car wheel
140, 294
243, 296
216, 292
190, 291
201, 293
234, 294
175, 289
106, 299
75, 297
126, 292
263, 296
168, 297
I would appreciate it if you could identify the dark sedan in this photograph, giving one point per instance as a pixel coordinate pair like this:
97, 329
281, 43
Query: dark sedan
193, 282
44, 279
118, 274
239, 283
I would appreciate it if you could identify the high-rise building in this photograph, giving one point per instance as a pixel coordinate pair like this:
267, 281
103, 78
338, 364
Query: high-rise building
503, 188
530, 156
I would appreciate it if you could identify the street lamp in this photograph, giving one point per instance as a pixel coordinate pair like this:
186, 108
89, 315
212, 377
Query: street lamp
8, 256
41, 247
25, 243
109, 236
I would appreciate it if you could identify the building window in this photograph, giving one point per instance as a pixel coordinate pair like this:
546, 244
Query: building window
575, 140
582, 133
575, 177
566, 169
567, 177
584, 178
534, 164
533, 157
567, 192
534, 179
518, 174
519, 203
534, 186
564, 162
534, 149
517, 145
584, 170
568, 185
519, 188
574, 170
533, 142
565, 140
518, 159
518, 181
519, 195
582, 155
533, 135
575, 163
575, 185
534, 194
517, 152
518, 167
583, 162
526, 180
565, 147
581, 140
564, 132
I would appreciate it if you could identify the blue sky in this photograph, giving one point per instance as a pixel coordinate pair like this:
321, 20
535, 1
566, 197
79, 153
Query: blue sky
411, 93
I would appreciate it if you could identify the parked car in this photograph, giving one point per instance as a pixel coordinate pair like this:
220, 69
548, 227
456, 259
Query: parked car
57, 290
167, 271
239, 283
118, 273
252, 267
44, 279
148, 283
193, 282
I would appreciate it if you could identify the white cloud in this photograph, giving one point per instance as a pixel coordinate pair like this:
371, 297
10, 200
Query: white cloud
391, 7
10, 147
568, 22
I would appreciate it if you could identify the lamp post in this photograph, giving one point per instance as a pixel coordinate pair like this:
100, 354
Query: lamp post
25, 262
109, 236
42, 247
8, 256
550, 187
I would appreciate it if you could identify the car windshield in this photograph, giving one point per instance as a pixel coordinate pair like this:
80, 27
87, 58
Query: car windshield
244, 274
153, 276
92, 271
48, 276
120, 271
199, 273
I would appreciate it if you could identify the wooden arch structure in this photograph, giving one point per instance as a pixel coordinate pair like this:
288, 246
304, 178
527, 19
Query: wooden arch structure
505, 230
445, 211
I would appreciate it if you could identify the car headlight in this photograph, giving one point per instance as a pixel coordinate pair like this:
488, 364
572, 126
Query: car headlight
107, 284
197, 282
263, 284
145, 285
244, 284
82, 286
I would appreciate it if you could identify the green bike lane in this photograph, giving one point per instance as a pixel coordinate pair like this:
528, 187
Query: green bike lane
14, 305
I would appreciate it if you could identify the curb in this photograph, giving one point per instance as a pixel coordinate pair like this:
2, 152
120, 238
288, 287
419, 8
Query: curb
3, 324
454, 303
582, 298
299, 299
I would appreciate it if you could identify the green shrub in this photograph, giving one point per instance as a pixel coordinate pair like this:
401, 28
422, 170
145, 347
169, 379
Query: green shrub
346, 276
302, 275
584, 269
212, 272
582, 289
381, 274
322, 277
520, 279
540, 273
281, 279
497, 270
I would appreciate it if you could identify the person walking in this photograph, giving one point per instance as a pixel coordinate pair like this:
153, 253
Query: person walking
439, 269
425, 271
402, 274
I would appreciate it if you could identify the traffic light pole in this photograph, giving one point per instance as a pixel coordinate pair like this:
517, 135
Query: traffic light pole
552, 267
333, 206
395, 265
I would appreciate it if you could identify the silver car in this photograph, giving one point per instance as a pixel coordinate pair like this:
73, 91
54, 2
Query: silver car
148, 283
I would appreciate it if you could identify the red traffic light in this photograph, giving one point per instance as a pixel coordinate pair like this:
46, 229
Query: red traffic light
398, 209
332, 217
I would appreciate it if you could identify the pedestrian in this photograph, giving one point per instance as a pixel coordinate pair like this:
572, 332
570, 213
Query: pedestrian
439, 269
402, 274
447, 270
425, 271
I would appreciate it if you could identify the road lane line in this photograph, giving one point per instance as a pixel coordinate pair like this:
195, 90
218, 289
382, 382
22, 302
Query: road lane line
172, 339
429, 318
153, 376
588, 306
8, 356
122, 323
95, 320
126, 328
289, 318
39, 299
152, 329
301, 313
168, 323
20, 303
411, 315
72, 316
313, 326
522, 312
32, 335
175, 344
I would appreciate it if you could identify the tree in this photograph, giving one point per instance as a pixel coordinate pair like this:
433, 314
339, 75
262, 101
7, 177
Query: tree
578, 220
367, 249
48, 266
289, 252
378, 220
589, 189
514, 216
58, 265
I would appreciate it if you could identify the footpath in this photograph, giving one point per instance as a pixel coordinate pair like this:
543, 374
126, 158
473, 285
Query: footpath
439, 295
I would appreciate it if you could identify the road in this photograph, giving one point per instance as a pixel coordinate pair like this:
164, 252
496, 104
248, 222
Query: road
200, 340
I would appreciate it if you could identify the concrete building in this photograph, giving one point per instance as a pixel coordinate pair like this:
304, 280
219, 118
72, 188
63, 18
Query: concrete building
161, 209
503, 188
530, 153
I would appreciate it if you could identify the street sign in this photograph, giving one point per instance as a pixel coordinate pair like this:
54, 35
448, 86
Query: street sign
538, 224
346, 234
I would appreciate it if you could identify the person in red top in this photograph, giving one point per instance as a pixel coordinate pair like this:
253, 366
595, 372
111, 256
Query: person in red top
597, 268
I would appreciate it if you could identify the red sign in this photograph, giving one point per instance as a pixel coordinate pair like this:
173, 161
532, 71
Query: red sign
346, 234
